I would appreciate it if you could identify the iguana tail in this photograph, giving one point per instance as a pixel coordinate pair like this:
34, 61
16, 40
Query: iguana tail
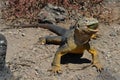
56, 29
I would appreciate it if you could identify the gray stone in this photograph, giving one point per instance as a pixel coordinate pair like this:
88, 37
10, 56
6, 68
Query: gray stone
52, 14
3, 48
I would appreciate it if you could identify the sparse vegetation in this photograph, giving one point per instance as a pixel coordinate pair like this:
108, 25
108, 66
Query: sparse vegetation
28, 9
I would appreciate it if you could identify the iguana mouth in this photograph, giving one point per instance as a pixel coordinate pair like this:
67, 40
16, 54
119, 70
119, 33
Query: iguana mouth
93, 30
93, 27
90, 31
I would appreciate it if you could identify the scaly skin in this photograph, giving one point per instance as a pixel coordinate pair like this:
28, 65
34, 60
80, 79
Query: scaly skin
76, 41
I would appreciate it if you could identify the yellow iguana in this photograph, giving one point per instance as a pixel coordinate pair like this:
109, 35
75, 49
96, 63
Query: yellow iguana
74, 40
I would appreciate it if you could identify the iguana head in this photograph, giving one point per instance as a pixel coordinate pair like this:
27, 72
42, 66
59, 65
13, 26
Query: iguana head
90, 24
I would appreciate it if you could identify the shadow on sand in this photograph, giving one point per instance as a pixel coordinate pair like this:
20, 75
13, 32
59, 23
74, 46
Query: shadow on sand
74, 58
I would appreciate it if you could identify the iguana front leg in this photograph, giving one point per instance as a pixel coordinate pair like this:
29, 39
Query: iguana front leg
95, 36
56, 68
95, 59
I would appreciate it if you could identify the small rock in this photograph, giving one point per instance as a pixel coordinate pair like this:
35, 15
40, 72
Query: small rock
52, 14
23, 34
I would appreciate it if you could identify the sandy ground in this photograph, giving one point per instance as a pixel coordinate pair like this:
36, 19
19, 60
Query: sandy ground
27, 61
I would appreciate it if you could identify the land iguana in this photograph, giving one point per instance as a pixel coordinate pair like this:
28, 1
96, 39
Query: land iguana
74, 40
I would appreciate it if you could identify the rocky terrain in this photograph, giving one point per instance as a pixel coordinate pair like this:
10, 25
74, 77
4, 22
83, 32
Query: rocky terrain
27, 60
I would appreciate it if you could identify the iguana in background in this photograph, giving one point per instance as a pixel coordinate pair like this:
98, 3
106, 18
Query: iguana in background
74, 40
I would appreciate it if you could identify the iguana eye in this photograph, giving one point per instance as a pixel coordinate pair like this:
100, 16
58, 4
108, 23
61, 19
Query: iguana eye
86, 20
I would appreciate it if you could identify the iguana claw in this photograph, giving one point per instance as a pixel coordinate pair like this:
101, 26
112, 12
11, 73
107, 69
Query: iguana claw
56, 70
98, 66
42, 40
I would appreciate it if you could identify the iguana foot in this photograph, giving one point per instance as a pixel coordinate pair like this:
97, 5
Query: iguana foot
42, 40
56, 70
95, 36
98, 66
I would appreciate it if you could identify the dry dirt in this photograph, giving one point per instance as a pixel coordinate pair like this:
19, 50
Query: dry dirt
27, 61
